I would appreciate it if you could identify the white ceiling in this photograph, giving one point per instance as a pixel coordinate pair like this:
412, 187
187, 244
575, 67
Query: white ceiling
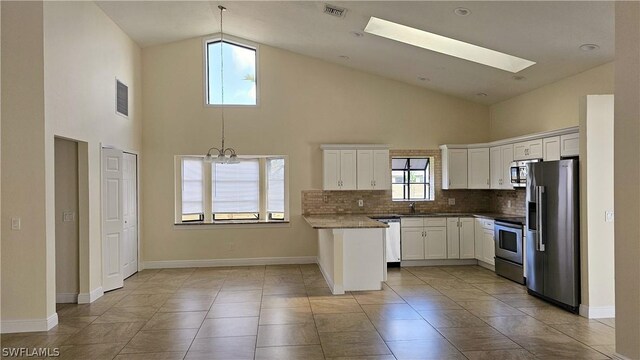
548, 33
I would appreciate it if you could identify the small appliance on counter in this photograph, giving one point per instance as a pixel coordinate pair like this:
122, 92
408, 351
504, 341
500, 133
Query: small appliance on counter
509, 251
519, 172
553, 270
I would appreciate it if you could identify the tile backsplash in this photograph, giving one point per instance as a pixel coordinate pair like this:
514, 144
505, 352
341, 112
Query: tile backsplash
318, 202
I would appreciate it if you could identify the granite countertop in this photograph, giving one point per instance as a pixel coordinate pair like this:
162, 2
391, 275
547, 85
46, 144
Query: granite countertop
343, 222
336, 221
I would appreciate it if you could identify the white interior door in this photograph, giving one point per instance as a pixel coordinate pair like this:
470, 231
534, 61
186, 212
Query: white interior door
112, 219
129, 251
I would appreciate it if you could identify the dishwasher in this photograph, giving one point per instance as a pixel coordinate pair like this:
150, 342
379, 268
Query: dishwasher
392, 240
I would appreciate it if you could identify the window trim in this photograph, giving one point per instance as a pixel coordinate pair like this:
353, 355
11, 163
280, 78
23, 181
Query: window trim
208, 214
205, 68
431, 174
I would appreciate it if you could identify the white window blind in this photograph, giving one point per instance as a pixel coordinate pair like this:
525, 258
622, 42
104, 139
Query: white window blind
236, 187
192, 186
275, 185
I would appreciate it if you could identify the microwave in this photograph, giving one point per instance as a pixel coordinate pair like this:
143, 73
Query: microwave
519, 172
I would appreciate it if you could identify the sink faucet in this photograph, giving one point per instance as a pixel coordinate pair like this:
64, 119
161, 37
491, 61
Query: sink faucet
412, 206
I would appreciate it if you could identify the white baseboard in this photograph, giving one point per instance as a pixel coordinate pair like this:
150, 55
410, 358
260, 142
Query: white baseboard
442, 262
66, 298
30, 325
620, 357
597, 312
334, 290
87, 298
164, 264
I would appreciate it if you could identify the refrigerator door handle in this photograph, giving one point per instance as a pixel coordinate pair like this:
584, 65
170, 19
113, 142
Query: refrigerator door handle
539, 218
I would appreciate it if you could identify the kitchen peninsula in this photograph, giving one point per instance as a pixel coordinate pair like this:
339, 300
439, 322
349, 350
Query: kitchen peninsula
350, 251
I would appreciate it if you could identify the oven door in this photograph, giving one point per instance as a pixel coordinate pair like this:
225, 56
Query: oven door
508, 239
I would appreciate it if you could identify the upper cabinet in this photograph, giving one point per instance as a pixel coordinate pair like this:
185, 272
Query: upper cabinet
355, 167
551, 148
500, 167
454, 168
339, 170
527, 150
373, 170
478, 168
570, 145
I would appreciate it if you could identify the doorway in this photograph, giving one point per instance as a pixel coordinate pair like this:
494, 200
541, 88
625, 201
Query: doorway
67, 230
119, 217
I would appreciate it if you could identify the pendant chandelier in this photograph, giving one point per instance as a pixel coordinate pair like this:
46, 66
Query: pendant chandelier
219, 155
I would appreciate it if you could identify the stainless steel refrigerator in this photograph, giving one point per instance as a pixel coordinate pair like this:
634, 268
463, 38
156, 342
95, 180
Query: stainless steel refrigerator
553, 268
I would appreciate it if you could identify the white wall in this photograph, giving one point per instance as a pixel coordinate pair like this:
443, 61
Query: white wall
596, 190
551, 107
85, 51
67, 238
304, 102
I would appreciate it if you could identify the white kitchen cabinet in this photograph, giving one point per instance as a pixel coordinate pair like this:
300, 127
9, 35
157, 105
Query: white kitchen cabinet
467, 238
373, 170
527, 150
478, 168
570, 145
412, 241
484, 242
454, 168
423, 238
435, 243
453, 238
501, 158
460, 238
551, 148
339, 170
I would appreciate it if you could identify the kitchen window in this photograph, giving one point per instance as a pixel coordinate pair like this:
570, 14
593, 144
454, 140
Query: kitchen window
411, 179
252, 191
239, 71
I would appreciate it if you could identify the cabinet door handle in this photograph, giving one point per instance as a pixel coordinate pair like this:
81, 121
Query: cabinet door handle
374, 183
449, 182
487, 181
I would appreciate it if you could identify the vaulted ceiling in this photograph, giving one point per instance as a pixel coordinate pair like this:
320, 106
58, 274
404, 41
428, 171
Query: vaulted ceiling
549, 33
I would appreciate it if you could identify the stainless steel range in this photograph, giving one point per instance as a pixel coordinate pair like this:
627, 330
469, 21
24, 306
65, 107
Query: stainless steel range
509, 252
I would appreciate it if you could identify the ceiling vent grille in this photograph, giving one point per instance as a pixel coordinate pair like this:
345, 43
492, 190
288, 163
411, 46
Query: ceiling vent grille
122, 98
334, 10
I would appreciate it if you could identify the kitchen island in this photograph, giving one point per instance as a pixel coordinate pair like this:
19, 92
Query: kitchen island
351, 251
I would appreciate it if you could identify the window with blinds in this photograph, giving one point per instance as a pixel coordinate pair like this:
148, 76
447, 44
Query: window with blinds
235, 192
275, 188
192, 189
253, 189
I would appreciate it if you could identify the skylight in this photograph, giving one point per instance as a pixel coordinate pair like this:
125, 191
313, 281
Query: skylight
445, 45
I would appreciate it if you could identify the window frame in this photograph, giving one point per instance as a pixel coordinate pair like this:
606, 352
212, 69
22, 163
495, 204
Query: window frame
429, 175
207, 195
205, 66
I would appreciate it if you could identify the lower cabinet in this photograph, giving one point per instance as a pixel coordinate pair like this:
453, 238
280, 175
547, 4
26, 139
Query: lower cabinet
460, 238
435, 243
485, 246
420, 242
412, 240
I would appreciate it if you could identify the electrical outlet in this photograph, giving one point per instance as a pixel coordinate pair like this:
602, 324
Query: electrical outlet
608, 216
452, 201
15, 224
361, 203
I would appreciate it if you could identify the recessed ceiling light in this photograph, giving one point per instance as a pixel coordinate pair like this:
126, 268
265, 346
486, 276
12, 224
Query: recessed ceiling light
461, 11
518, 78
589, 47
481, 94
357, 34
344, 57
445, 45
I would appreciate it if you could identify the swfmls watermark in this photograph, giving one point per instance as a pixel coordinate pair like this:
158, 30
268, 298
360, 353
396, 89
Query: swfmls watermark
30, 352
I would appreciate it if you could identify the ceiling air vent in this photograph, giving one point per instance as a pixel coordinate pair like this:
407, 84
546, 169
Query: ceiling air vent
334, 10
122, 98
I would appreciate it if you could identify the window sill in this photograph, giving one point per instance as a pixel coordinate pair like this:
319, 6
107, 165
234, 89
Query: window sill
231, 224
409, 201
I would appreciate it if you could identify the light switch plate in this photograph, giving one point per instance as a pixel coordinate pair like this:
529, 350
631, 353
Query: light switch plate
361, 203
15, 224
608, 216
452, 201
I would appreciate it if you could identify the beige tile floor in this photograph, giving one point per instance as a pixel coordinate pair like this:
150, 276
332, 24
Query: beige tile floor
288, 312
